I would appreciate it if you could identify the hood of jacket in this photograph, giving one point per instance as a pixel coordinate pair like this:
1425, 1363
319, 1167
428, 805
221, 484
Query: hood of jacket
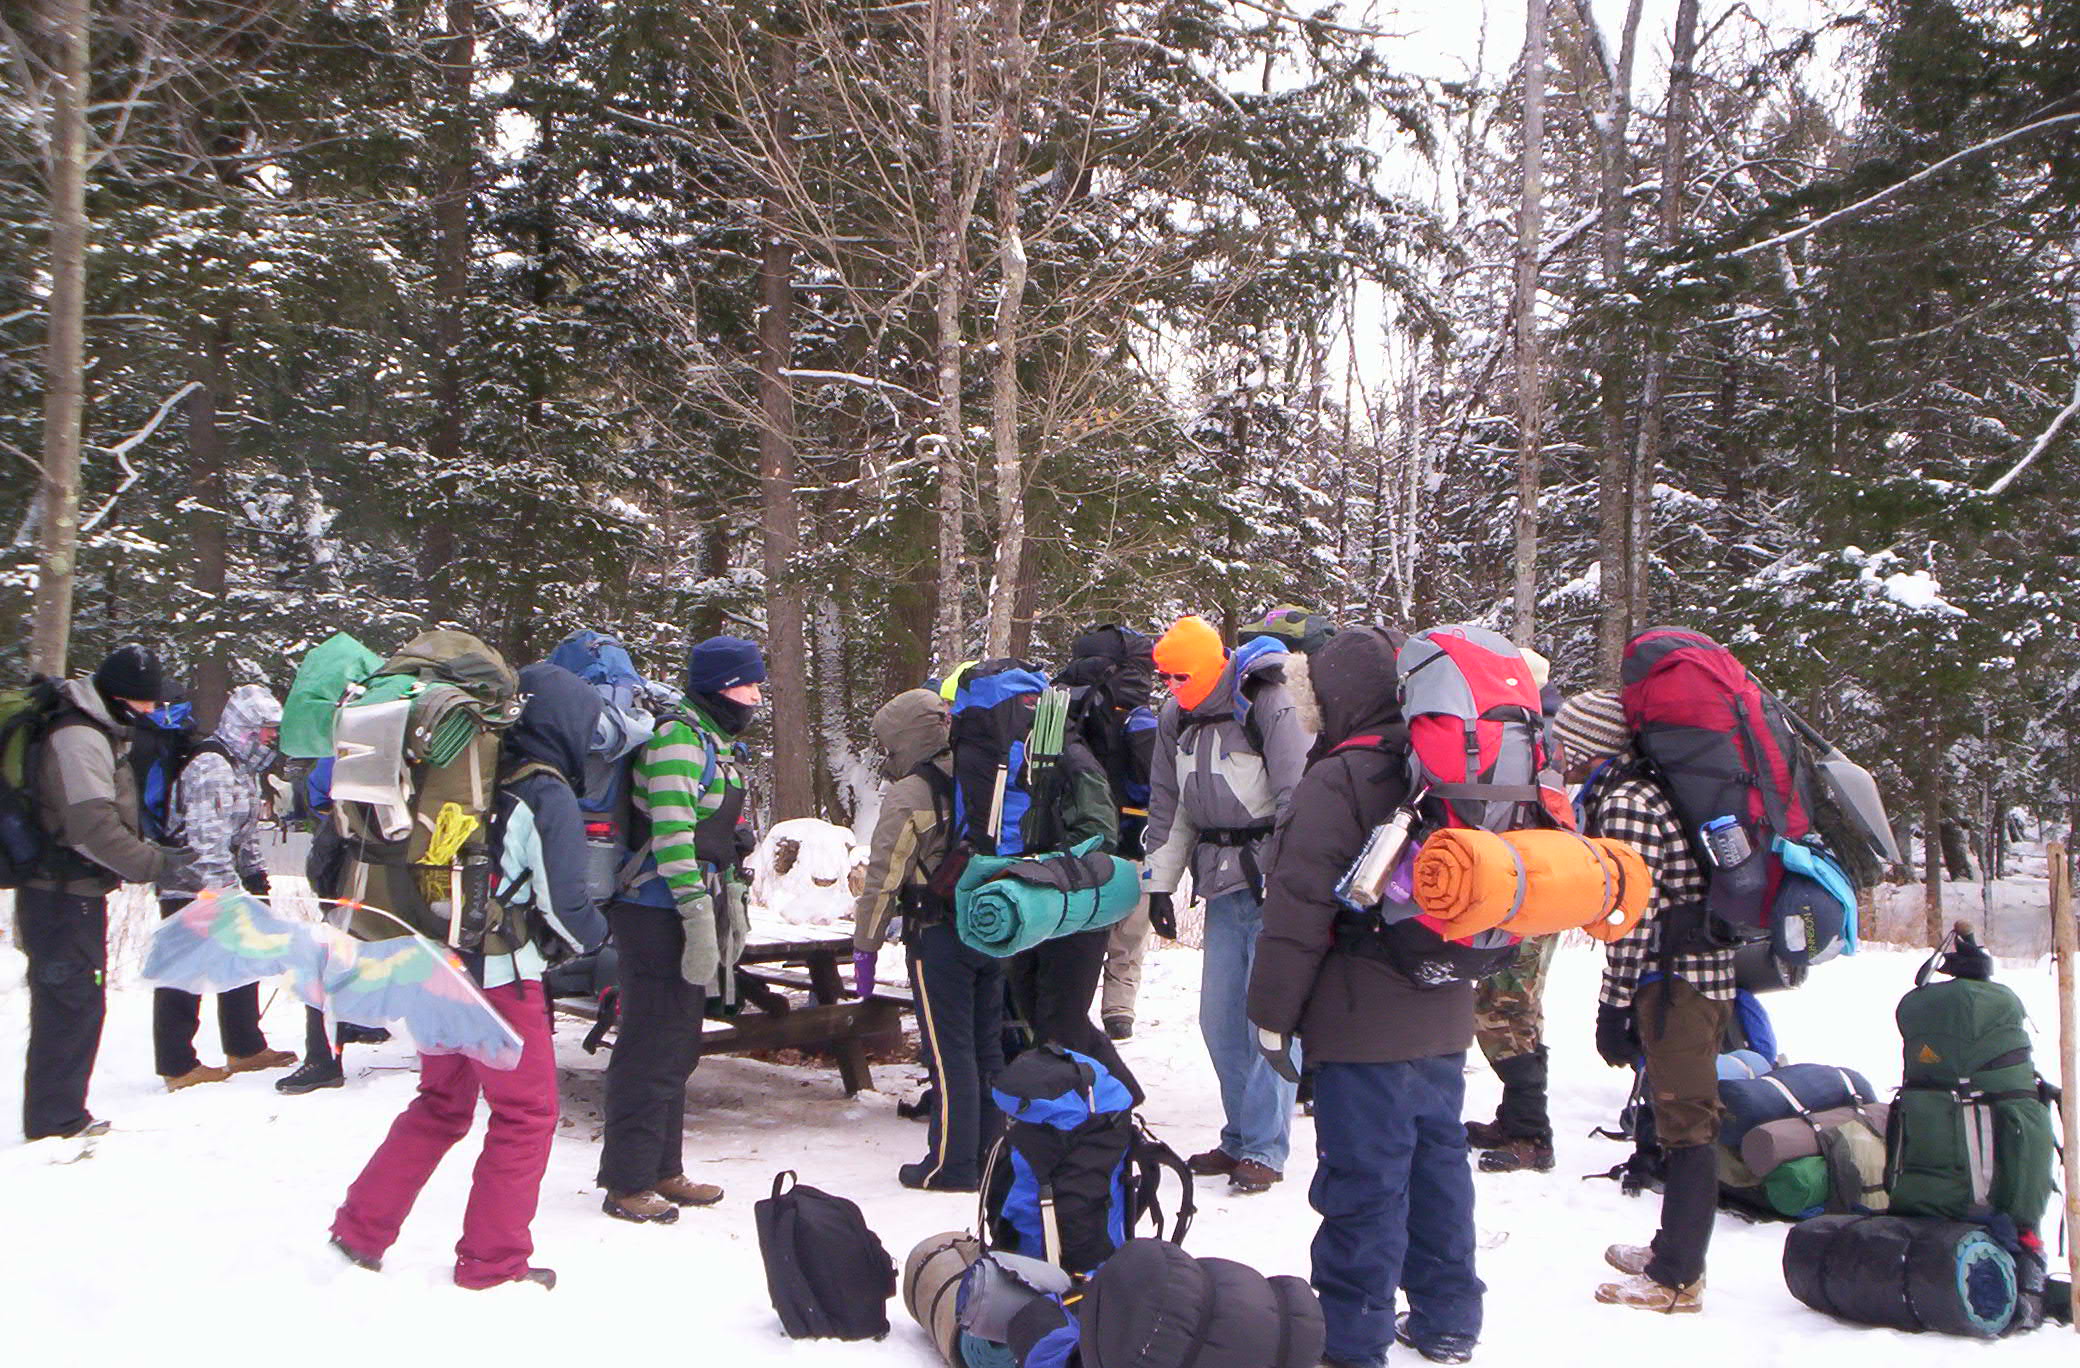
911, 728
82, 694
1262, 659
557, 725
1353, 685
249, 709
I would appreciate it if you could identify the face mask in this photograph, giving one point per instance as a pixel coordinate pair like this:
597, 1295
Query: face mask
733, 717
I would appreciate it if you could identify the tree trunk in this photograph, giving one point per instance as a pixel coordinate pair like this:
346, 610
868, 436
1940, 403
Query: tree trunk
209, 503
457, 152
64, 362
1530, 396
794, 751
1932, 846
1675, 162
1011, 254
949, 630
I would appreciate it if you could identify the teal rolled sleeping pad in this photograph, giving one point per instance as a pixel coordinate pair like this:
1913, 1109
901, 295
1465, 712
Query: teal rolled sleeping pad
1003, 905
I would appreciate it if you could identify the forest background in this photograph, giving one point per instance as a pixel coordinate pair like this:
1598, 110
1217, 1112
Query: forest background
900, 332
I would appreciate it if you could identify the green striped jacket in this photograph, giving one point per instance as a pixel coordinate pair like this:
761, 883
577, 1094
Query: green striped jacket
682, 778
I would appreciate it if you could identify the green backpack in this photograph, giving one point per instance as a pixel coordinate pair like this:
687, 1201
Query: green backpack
1969, 1137
25, 716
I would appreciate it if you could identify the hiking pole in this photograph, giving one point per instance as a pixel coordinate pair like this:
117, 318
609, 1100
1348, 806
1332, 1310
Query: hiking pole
2065, 941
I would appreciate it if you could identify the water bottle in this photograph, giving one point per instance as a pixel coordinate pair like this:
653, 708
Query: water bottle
1365, 882
1726, 843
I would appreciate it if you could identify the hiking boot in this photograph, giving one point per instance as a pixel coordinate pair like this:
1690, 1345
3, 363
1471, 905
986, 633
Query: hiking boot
1629, 1259
1643, 1293
1485, 1135
1214, 1163
1519, 1156
1250, 1177
680, 1190
1119, 1028
544, 1278
354, 1256
913, 1176
201, 1073
644, 1208
1446, 1348
89, 1129
312, 1075
350, 1034
257, 1063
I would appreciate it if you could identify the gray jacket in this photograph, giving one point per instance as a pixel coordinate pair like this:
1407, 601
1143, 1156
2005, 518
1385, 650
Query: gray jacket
216, 805
1210, 784
87, 801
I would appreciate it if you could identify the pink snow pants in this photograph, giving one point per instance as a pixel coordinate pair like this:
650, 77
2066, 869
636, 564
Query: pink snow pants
495, 1242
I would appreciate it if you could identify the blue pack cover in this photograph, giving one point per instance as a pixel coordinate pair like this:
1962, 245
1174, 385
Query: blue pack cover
1749, 1102
155, 780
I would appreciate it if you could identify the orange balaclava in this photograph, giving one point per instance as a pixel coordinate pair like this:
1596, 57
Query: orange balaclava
1191, 648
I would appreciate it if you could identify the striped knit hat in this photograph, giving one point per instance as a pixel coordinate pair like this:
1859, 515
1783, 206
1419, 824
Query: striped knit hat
1592, 724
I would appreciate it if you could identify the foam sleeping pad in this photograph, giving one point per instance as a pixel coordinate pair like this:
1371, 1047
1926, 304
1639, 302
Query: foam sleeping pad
1532, 882
1779, 1142
1005, 905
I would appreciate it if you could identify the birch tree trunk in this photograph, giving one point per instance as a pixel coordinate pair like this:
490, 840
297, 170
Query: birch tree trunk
949, 631
1530, 387
1005, 581
794, 747
64, 363
209, 505
1675, 162
457, 152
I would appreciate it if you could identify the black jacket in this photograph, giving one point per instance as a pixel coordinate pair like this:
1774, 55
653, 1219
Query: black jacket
555, 730
1346, 1008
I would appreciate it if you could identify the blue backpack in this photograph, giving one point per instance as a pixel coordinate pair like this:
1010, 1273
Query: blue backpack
624, 725
992, 721
161, 745
1076, 1171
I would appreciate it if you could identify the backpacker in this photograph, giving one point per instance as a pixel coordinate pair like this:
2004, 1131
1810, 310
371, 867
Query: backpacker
1476, 747
26, 715
1970, 1136
414, 780
828, 1274
1075, 1171
1724, 750
608, 805
162, 742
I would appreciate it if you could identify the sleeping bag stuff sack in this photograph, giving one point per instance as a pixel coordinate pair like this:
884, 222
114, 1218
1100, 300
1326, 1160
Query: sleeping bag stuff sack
931, 1288
1075, 1171
1530, 882
314, 695
1830, 1162
1155, 1306
827, 1273
1002, 906
994, 1290
1786, 1092
1902, 1273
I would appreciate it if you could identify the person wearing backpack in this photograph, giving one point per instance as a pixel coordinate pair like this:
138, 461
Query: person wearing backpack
214, 809
1668, 1001
1111, 679
1229, 749
538, 881
85, 799
960, 991
678, 931
1388, 1057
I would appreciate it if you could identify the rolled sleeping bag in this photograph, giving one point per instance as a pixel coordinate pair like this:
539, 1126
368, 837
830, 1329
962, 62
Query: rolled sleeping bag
931, 1287
1533, 882
1003, 906
1786, 1092
1742, 1064
1154, 1306
1766, 1146
1902, 1272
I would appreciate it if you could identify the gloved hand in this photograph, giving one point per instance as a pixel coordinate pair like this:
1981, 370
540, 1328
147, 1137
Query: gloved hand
255, 884
863, 965
180, 868
1617, 1035
745, 840
1278, 1053
1162, 916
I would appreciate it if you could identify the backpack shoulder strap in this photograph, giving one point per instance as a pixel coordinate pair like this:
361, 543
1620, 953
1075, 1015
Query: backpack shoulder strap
1150, 1157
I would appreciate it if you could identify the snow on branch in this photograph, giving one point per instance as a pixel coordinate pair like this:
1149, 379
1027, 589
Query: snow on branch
121, 451
2044, 440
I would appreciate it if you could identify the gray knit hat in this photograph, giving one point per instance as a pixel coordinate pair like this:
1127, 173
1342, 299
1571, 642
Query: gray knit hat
1592, 724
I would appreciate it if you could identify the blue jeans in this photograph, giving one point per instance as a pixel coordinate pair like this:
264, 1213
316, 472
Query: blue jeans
1257, 1102
1395, 1193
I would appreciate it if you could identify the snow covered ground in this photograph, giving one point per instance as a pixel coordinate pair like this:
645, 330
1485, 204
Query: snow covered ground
197, 1226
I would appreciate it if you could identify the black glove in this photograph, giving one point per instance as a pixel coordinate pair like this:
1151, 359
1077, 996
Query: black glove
1278, 1053
1617, 1035
255, 884
1162, 917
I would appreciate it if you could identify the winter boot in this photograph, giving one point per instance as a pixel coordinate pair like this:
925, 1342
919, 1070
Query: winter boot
544, 1278
644, 1208
1447, 1348
1522, 1113
1213, 1163
256, 1063
1632, 1259
1642, 1293
680, 1190
319, 1071
354, 1256
1519, 1156
1486, 1135
1250, 1177
201, 1073
1119, 1028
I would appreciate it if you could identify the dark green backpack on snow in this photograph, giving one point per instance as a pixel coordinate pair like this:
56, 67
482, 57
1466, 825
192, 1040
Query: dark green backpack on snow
1969, 1136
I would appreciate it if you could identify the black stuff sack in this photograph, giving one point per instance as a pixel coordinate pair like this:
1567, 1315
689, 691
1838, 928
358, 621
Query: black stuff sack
828, 1275
1904, 1273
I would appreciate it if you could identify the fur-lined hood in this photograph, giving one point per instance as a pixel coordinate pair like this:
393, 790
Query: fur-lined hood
1347, 688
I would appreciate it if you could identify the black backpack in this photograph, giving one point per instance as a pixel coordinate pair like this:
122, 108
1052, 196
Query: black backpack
828, 1275
162, 742
26, 715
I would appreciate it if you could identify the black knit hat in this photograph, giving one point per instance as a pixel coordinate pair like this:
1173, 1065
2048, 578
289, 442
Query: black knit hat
133, 672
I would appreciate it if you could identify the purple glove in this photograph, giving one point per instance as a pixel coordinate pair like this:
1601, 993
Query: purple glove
863, 962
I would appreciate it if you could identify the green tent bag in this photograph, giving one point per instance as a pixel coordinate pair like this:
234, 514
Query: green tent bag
1003, 905
321, 681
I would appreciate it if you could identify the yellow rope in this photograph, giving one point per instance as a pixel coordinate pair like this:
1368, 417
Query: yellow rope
451, 828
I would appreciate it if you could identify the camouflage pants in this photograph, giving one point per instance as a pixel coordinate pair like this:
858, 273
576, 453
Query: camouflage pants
1508, 1014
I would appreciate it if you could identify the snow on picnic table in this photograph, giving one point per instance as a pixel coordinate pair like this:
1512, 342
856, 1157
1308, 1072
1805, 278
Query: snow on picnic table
198, 1224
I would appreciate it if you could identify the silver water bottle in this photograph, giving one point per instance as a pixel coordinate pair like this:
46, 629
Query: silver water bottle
1365, 882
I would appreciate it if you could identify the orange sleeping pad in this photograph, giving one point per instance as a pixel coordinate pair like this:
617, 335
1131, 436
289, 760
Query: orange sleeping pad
1529, 883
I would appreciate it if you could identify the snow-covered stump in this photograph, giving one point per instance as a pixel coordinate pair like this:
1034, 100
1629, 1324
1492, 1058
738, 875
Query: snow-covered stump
807, 871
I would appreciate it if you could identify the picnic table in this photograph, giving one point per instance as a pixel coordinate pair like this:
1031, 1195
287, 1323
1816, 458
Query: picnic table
780, 957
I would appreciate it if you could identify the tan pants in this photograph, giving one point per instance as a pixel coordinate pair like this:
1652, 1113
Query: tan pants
1123, 955
1680, 1030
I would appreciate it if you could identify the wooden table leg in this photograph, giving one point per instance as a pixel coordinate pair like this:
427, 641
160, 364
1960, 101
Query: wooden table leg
829, 986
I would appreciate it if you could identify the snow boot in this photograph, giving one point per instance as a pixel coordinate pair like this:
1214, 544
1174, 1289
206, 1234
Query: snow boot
1629, 1259
1442, 1349
1486, 1135
1250, 1177
1518, 1156
201, 1073
544, 1278
1119, 1028
1642, 1293
257, 1063
354, 1256
680, 1190
314, 1073
1213, 1163
1521, 1115
644, 1208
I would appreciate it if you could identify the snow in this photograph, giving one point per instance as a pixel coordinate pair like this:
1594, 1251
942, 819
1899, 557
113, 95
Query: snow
818, 884
199, 1222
